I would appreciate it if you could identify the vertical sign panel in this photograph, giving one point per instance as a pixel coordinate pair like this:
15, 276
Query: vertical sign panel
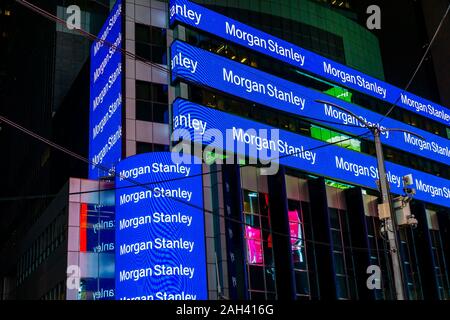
105, 113
160, 242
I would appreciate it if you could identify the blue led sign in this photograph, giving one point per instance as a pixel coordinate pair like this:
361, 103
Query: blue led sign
300, 152
219, 25
160, 239
105, 113
204, 68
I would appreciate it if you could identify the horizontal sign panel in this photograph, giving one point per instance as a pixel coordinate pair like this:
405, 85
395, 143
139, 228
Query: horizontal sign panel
160, 235
205, 124
219, 25
202, 67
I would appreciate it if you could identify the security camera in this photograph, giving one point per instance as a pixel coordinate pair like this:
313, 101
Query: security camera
408, 180
410, 191
383, 228
412, 221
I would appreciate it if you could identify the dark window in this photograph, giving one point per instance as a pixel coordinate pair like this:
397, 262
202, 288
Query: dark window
439, 264
151, 102
151, 43
342, 255
144, 147
379, 255
144, 110
410, 264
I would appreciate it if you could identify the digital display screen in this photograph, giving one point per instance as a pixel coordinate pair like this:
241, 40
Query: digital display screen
239, 135
105, 110
160, 235
207, 69
201, 18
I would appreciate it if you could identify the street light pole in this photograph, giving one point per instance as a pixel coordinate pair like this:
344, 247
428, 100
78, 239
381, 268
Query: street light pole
390, 223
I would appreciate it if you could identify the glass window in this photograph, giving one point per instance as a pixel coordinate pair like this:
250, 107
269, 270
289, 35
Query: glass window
339, 263
258, 245
342, 255
341, 287
334, 219
144, 110
410, 264
142, 33
143, 91
440, 265
144, 147
302, 257
379, 255
151, 43
302, 283
251, 202
152, 102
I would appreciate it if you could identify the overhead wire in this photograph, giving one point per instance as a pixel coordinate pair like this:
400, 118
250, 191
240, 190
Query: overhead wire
139, 58
418, 66
136, 184
92, 37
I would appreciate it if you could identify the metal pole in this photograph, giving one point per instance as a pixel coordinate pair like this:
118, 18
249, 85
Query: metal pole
390, 224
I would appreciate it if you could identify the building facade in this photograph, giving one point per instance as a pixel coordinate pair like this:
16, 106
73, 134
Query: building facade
296, 234
337, 220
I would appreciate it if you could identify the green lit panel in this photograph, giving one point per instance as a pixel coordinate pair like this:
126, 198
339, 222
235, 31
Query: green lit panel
340, 93
211, 157
330, 136
337, 185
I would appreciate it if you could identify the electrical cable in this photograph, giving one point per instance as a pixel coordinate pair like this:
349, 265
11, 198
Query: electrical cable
145, 185
90, 36
134, 56
418, 66
52, 17
135, 183
137, 58
390, 110
160, 67
403, 91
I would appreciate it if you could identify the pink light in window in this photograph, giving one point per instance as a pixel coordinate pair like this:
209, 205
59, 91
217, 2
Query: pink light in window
254, 245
